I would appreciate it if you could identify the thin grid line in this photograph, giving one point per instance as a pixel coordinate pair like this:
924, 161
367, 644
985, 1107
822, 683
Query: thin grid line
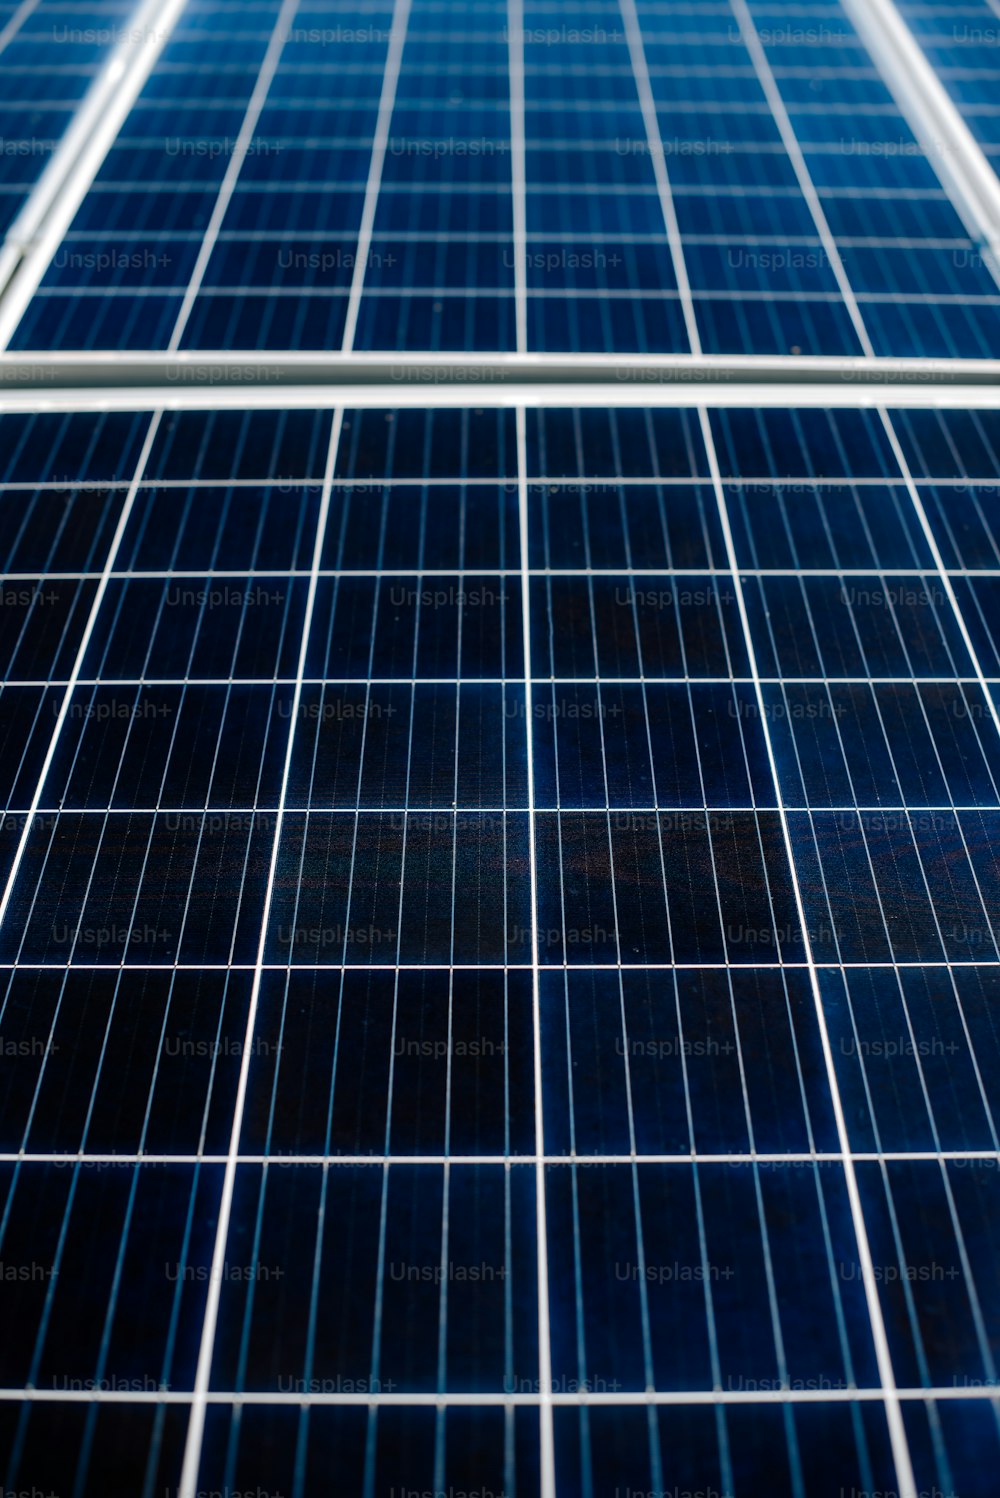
558, 482
17, 20
791, 1436
828, 965
208, 573
447, 681
320, 1226
569, 293
711, 1320
442, 1352
536, 236
448, 809
655, 1456
548, 1471
508, 1222
196, 1427
378, 1310
647, 105
579, 1161
614, 189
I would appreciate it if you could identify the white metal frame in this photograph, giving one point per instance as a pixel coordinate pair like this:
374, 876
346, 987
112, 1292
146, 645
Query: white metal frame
288, 380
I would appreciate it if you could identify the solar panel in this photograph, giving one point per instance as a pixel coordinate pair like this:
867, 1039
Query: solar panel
803, 203
498, 905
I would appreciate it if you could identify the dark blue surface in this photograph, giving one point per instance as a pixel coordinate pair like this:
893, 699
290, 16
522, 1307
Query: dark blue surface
396, 1011
440, 271
699, 1039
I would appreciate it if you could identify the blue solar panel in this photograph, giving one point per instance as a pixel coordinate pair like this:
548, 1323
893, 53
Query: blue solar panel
499, 917
698, 1211
804, 204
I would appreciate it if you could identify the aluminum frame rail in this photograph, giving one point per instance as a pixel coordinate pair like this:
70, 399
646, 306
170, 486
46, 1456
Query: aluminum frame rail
221, 380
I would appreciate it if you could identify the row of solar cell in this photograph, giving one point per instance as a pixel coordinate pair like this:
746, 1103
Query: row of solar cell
414, 260
148, 873
831, 1446
557, 264
193, 746
640, 887
385, 628
189, 745
742, 1277
792, 524
713, 887
219, 447
428, 1060
172, 1285
449, 321
598, 524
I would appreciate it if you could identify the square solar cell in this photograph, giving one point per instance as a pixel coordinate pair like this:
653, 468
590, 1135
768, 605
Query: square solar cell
115, 1304
420, 1241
